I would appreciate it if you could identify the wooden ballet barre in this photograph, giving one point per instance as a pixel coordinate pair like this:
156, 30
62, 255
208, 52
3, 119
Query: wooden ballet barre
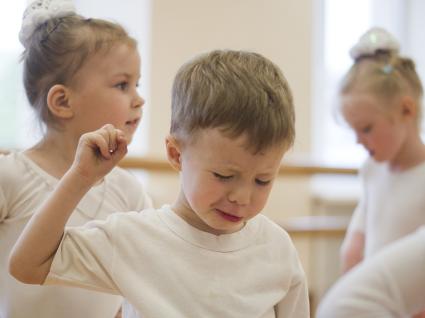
287, 168
320, 225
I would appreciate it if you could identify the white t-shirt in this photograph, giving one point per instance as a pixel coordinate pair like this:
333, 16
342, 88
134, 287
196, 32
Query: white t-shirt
164, 267
392, 204
23, 187
391, 283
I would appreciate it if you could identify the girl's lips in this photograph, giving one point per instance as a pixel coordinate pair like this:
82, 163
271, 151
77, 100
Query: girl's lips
229, 217
133, 122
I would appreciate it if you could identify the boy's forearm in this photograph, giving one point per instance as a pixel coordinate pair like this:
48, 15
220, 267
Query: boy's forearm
33, 253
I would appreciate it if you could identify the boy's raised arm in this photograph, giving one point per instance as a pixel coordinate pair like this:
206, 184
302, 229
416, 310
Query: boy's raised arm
97, 153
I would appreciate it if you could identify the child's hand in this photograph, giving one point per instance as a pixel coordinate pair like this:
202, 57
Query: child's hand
98, 152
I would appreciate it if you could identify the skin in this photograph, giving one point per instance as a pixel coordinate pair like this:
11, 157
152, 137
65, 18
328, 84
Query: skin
103, 91
387, 129
223, 184
97, 154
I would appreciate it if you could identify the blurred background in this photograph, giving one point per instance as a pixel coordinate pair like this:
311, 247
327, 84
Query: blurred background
317, 188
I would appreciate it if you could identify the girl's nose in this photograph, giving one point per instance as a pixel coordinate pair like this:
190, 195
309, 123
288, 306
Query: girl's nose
139, 101
359, 139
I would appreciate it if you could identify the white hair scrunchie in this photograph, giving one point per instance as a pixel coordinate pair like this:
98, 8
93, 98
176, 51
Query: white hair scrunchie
374, 40
40, 11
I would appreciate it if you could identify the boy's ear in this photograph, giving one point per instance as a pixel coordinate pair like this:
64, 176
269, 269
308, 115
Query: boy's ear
58, 102
173, 151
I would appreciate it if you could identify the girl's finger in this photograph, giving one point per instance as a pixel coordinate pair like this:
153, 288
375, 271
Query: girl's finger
121, 143
100, 144
112, 137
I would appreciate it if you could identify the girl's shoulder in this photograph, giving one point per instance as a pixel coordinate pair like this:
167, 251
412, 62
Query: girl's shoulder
120, 175
126, 187
12, 166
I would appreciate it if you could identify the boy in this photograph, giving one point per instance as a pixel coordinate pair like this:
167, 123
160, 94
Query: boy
210, 254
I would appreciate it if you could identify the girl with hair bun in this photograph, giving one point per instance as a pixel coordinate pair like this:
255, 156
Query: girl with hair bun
381, 97
79, 75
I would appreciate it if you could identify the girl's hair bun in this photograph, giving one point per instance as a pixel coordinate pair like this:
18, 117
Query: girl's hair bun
40, 11
373, 41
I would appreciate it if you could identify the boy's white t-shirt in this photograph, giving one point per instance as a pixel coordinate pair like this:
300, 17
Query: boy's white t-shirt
166, 268
23, 187
392, 204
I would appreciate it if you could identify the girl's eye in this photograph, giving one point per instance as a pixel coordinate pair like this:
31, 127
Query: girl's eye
367, 129
261, 182
222, 177
122, 86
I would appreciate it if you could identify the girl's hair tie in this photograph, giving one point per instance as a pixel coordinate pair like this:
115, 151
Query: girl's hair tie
39, 12
373, 41
387, 69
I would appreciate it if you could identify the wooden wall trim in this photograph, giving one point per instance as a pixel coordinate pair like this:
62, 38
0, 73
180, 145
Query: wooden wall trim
290, 168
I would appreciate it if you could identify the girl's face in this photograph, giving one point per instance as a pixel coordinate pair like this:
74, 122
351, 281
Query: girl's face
104, 91
378, 127
223, 184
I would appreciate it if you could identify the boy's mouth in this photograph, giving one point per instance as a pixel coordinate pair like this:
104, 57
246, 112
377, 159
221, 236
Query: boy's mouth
229, 217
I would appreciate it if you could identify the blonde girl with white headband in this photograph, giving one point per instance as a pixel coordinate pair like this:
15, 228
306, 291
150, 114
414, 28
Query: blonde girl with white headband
381, 97
79, 75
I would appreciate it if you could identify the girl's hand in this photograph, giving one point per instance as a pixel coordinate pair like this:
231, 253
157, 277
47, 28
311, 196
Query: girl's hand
98, 152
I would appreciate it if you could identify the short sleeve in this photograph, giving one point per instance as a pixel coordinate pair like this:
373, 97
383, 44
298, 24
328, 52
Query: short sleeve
358, 219
85, 257
295, 304
3, 209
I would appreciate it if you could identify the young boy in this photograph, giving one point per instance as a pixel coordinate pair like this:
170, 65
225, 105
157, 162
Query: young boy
210, 254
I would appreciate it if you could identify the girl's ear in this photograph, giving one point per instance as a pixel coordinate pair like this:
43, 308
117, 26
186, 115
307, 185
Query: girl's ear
408, 107
173, 151
58, 102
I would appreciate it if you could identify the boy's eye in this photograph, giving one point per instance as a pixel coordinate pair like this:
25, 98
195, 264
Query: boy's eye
122, 85
262, 182
222, 177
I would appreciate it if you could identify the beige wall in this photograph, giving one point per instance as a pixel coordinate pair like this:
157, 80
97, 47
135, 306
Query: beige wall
279, 29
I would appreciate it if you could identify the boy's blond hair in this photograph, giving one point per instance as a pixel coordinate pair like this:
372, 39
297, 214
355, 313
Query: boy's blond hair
239, 93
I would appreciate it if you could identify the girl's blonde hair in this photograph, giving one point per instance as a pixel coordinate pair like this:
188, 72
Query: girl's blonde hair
384, 74
58, 48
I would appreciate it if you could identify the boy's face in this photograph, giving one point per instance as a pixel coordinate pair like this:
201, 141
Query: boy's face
223, 184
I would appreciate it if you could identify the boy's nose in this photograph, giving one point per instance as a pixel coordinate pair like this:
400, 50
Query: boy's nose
240, 195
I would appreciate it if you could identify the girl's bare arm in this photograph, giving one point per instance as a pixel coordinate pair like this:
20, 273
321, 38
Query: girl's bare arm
97, 153
352, 250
